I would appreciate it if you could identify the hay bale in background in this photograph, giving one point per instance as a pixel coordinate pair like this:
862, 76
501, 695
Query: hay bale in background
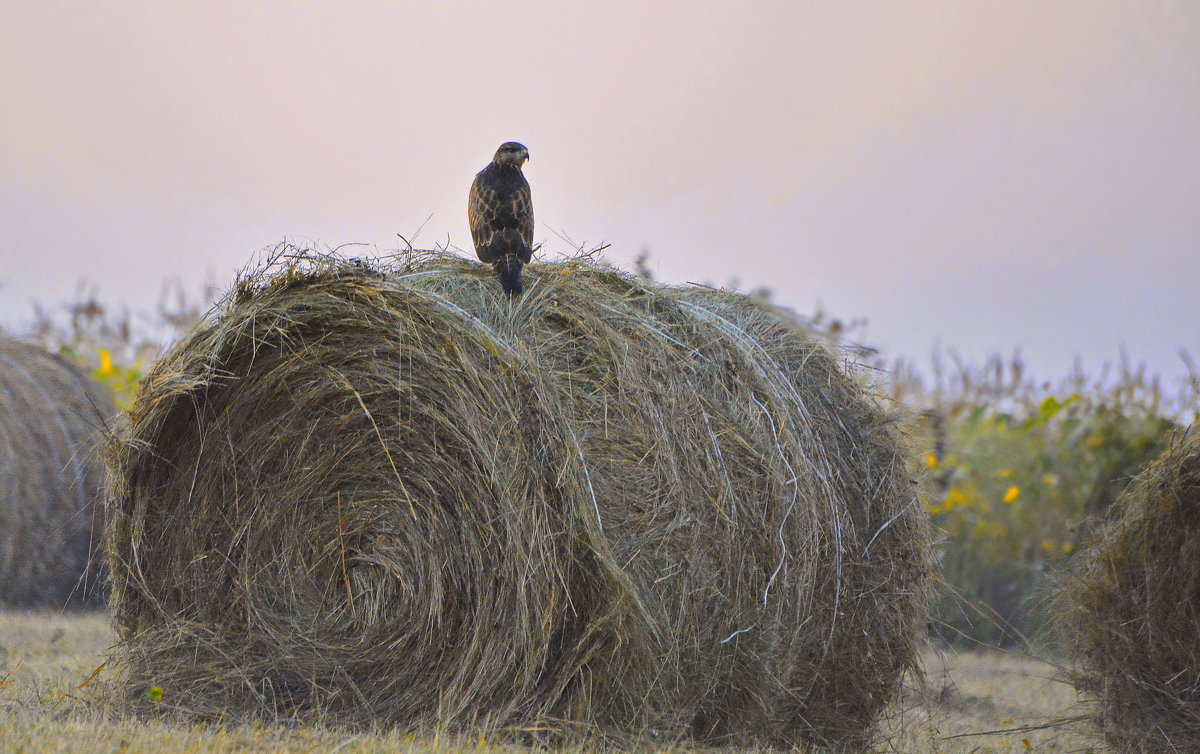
392, 496
51, 421
1134, 610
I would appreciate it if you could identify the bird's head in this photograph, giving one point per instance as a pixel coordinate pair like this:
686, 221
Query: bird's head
511, 153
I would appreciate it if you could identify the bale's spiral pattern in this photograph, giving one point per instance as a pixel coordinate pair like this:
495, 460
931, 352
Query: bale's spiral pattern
394, 496
51, 421
1135, 610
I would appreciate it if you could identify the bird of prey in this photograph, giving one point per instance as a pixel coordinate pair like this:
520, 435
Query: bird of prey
501, 215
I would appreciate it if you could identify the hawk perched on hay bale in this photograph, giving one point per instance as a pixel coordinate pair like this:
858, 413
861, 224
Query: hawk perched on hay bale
501, 215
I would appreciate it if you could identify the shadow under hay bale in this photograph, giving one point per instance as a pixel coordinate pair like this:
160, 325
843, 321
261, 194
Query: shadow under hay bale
51, 427
393, 496
1133, 610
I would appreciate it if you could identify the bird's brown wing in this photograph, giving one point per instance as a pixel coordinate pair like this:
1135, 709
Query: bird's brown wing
500, 212
482, 207
523, 210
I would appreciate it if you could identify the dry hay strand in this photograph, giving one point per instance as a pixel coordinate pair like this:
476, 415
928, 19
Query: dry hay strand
51, 422
386, 494
1134, 610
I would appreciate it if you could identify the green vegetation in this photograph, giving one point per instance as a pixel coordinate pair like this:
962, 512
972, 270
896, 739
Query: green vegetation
1012, 486
110, 344
1014, 472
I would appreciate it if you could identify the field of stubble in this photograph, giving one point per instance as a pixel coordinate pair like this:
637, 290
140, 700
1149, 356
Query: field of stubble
50, 701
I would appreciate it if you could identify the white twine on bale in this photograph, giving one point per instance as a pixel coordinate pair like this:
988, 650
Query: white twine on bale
729, 638
886, 524
791, 509
823, 473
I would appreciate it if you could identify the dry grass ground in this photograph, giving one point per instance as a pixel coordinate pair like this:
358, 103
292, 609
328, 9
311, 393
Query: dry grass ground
970, 697
45, 658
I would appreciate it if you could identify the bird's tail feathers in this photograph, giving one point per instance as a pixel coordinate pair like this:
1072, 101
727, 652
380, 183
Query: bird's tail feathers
508, 267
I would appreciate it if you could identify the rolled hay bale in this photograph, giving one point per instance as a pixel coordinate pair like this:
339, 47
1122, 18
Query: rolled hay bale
390, 495
1133, 610
51, 477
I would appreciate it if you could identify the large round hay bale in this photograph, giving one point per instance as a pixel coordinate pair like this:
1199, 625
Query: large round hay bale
1134, 610
390, 495
51, 422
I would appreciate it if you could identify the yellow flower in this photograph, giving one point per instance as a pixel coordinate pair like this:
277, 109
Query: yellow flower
1048, 545
955, 499
1067, 549
931, 461
106, 368
1011, 495
154, 693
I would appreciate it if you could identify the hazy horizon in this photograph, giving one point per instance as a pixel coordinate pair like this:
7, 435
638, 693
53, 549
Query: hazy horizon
982, 176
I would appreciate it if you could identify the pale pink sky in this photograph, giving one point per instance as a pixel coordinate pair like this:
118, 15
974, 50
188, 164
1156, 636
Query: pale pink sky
984, 175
